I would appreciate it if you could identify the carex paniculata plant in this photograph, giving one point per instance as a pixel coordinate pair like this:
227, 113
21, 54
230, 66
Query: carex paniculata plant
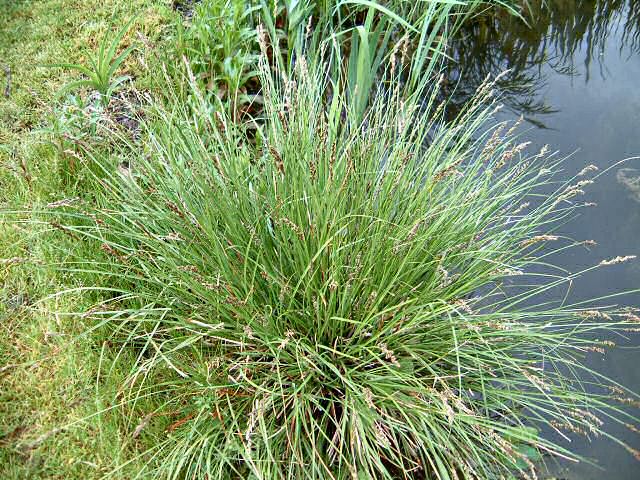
348, 296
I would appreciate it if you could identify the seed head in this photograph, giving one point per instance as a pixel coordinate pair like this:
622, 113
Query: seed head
538, 238
65, 202
587, 169
389, 355
617, 260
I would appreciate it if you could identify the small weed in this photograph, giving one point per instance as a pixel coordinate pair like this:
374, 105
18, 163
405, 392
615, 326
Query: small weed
102, 67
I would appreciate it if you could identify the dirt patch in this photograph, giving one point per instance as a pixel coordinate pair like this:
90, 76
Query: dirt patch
185, 7
125, 111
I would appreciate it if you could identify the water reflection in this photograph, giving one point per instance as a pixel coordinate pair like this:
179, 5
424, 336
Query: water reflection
629, 178
576, 71
557, 34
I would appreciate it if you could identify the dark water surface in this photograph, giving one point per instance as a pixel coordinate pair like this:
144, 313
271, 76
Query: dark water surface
575, 77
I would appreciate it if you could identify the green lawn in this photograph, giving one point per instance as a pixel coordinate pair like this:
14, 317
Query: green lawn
47, 371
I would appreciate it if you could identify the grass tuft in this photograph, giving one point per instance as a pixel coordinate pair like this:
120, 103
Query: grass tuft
348, 296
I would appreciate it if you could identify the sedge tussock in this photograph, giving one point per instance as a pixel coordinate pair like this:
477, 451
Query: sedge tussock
335, 306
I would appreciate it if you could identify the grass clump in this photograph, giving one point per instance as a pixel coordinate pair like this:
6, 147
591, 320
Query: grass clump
339, 299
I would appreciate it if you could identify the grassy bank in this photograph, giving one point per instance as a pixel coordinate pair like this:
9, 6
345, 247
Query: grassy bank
48, 373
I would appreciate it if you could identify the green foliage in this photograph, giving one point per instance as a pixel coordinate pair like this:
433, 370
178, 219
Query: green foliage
340, 300
102, 67
220, 41
47, 367
220, 45
75, 122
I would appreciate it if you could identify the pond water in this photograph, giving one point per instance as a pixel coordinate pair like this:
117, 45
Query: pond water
575, 77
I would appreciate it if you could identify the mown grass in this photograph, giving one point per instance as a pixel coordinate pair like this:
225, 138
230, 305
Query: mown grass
48, 373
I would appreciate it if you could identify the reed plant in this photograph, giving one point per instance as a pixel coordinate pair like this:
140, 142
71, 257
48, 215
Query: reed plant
345, 296
220, 44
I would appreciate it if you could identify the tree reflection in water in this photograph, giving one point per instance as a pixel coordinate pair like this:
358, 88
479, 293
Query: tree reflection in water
552, 34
